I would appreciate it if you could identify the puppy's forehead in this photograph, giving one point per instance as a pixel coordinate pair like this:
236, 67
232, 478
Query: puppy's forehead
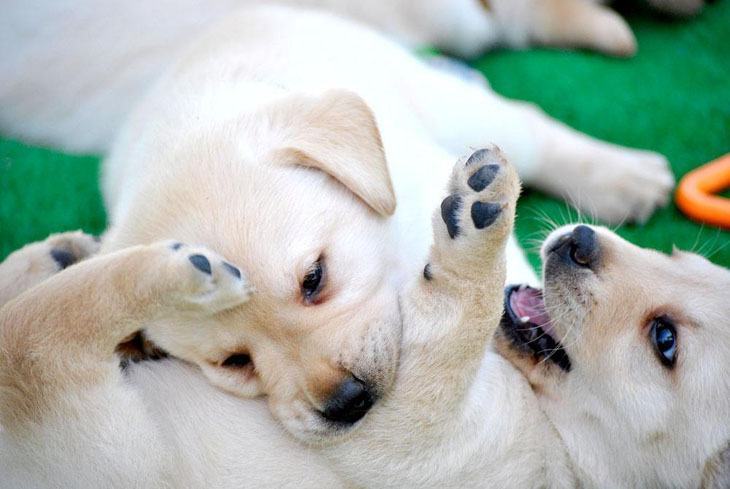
277, 221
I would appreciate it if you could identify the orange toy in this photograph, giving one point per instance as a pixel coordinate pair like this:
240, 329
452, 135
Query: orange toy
695, 193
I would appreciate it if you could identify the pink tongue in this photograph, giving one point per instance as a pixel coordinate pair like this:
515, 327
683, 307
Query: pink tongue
528, 303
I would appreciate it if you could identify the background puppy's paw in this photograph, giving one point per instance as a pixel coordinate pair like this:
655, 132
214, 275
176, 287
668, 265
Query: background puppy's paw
626, 187
612, 35
204, 279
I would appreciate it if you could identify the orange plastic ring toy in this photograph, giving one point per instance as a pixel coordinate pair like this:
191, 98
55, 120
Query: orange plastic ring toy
695, 193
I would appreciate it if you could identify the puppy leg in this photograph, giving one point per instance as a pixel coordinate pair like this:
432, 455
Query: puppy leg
610, 182
67, 414
579, 24
451, 312
36, 262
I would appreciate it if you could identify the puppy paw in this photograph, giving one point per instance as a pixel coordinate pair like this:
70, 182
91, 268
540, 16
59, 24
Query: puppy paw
611, 34
37, 262
66, 249
628, 186
475, 219
202, 279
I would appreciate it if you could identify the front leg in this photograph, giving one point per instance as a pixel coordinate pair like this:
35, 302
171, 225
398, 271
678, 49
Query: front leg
68, 416
451, 312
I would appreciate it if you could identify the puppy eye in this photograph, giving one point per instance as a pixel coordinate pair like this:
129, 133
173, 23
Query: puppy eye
313, 281
664, 338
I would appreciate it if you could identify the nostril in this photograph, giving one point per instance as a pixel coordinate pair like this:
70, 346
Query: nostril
583, 246
578, 247
578, 256
350, 402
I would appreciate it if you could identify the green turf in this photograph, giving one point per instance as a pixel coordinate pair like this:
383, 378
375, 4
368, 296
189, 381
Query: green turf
673, 97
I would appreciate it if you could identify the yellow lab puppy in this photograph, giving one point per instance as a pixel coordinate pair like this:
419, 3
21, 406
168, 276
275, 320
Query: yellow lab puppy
627, 351
71, 418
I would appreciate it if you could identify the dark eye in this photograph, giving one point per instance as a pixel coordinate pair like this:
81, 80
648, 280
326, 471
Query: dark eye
664, 338
313, 281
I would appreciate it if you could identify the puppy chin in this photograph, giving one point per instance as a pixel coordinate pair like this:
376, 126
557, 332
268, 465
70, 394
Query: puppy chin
307, 425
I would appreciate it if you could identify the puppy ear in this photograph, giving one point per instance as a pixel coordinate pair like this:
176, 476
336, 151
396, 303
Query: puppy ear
716, 474
337, 133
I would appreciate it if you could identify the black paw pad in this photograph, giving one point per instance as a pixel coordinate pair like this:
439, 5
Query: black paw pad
176, 246
450, 214
478, 156
483, 177
63, 258
484, 213
201, 263
233, 270
427, 274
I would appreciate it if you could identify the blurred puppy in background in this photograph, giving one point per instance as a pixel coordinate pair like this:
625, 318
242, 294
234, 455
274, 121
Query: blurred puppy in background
467, 28
72, 70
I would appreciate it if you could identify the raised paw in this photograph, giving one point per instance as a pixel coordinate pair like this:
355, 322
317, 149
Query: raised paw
475, 219
203, 279
36, 262
482, 188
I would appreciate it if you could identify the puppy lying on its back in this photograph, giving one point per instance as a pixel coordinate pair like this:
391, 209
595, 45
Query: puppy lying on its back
71, 419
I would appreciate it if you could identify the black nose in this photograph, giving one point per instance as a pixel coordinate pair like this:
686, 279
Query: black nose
350, 402
579, 247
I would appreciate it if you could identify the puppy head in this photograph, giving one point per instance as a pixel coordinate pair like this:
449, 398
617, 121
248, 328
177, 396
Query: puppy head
628, 350
297, 194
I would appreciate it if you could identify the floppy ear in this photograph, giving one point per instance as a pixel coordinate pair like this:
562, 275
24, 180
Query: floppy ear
716, 474
337, 133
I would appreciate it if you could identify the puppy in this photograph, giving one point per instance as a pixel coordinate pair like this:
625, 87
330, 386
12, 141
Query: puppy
467, 28
71, 418
459, 415
626, 350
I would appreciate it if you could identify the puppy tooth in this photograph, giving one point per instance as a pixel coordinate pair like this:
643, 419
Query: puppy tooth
525, 319
522, 287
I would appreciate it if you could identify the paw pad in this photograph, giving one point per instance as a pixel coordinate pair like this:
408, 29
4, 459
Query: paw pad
483, 177
232, 269
450, 208
478, 156
483, 214
427, 273
201, 263
63, 258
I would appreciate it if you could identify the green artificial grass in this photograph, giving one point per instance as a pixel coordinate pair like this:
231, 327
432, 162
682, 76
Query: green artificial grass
673, 97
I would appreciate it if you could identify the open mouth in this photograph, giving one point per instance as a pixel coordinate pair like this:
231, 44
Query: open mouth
527, 324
